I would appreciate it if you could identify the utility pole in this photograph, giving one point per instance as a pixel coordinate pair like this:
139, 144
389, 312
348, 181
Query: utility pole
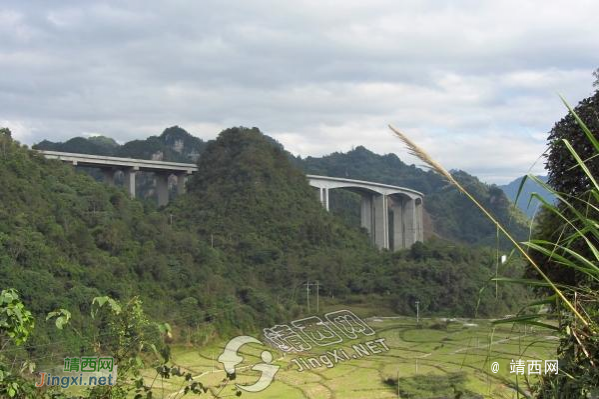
317, 285
307, 284
317, 296
417, 312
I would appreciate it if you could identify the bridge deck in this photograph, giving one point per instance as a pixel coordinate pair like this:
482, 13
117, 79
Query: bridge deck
106, 162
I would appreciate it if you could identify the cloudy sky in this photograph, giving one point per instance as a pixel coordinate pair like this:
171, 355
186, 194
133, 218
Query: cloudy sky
475, 83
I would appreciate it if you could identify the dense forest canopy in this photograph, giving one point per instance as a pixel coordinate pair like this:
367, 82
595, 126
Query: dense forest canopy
230, 256
249, 233
449, 214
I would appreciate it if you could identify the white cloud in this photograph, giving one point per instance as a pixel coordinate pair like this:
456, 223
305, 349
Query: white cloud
475, 83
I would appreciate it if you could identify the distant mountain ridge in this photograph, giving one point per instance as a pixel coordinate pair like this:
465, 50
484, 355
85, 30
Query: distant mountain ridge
449, 214
530, 187
174, 144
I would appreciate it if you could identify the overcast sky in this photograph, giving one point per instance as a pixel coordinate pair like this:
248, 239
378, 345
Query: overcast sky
475, 83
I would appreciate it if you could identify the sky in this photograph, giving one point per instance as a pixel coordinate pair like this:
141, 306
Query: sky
475, 83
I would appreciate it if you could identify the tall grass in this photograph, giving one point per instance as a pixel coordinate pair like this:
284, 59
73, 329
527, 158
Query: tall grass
576, 248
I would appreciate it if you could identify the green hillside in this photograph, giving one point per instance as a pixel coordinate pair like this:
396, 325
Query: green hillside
248, 235
65, 238
449, 215
452, 215
228, 258
174, 144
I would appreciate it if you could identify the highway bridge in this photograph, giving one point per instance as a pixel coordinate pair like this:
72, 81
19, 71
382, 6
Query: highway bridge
392, 215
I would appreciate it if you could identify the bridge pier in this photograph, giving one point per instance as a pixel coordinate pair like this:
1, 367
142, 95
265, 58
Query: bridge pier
181, 181
412, 215
366, 219
380, 211
130, 180
374, 217
396, 205
323, 193
419, 219
108, 174
161, 180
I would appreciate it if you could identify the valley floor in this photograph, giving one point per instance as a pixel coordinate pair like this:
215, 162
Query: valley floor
434, 359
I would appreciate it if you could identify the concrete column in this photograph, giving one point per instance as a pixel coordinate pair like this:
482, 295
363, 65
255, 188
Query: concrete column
366, 220
419, 220
410, 223
130, 180
398, 227
161, 188
381, 221
181, 181
324, 197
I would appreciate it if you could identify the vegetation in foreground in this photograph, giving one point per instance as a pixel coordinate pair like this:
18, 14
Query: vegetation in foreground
563, 255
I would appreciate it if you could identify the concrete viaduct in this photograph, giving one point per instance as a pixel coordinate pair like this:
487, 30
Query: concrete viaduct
110, 165
392, 215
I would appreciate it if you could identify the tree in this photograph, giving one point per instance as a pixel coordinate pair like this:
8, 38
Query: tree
565, 245
563, 175
567, 178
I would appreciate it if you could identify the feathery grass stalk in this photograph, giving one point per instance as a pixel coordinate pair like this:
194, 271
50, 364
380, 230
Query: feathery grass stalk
424, 157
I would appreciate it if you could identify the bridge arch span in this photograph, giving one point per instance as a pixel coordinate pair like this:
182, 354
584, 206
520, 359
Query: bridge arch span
392, 215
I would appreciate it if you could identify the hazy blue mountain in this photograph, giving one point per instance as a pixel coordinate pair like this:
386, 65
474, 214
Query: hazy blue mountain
511, 190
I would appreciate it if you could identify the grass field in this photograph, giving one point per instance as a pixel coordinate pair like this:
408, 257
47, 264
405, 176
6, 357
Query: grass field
436, 359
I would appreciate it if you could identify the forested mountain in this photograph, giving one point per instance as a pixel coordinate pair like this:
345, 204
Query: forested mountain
511, 190
97, 145
174, 144
448, 213
231, 254
452, 215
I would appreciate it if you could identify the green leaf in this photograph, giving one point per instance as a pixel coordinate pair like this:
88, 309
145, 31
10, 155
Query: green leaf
582, 125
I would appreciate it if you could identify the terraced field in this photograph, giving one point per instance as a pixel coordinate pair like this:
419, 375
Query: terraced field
435, 359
